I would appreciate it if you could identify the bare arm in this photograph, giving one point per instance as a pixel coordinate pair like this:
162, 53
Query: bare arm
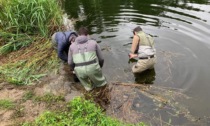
134, 43
134, 47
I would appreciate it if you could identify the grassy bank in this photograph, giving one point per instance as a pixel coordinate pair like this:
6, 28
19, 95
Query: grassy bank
25, 49
79, 112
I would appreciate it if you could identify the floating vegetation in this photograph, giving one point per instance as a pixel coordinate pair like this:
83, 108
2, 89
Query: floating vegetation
134, 102
167, 57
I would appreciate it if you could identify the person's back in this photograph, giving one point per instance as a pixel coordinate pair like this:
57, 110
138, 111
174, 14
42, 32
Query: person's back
62, 41
144, 45
86, 59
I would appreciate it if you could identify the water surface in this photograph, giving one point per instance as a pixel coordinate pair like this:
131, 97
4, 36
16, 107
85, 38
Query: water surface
181, 29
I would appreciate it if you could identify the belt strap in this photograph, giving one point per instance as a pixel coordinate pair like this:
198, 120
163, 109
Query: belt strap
152, 56
86, 63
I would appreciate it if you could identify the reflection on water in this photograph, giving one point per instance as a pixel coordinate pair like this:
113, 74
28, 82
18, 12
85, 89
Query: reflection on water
181, 32
102, 14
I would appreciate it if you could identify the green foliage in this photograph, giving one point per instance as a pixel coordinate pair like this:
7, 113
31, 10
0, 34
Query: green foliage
6, 104
19, 111
28, 95
27, 124
14, 42
23, 20
85, 112
30, 16
27, 23
27, 66
53, 119
49, 98
80, 113
15, 74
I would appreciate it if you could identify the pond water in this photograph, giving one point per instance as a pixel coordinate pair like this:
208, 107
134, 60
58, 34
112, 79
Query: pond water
181, 29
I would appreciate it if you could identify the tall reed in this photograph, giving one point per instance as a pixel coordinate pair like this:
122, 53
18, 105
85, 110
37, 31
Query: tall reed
24, 18
30, 16
28, 65
27, 23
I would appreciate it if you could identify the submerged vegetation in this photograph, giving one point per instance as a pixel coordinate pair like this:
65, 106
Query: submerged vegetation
27, 24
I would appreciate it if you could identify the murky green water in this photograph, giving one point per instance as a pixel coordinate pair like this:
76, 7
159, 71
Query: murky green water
182, 34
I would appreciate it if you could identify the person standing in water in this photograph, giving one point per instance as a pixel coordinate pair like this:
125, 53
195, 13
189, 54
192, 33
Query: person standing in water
143, 49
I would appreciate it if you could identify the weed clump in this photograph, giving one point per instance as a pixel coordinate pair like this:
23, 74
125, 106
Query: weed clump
80, 112
6, 104
49, 98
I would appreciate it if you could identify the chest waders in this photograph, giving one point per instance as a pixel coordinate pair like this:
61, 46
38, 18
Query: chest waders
87, 68
146, 54
145, 40
146, 45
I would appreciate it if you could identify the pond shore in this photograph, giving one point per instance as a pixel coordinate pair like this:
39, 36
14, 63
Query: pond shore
33, 80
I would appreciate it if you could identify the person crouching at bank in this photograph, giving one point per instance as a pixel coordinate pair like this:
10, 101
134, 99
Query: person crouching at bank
86, 59
144, 44
61, 41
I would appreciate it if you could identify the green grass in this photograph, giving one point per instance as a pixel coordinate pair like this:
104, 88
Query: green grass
28, 95
6, 104
27, 66
30, 16
80, 112
21, 21
14, 42
49, 98
14, 74
28, 23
